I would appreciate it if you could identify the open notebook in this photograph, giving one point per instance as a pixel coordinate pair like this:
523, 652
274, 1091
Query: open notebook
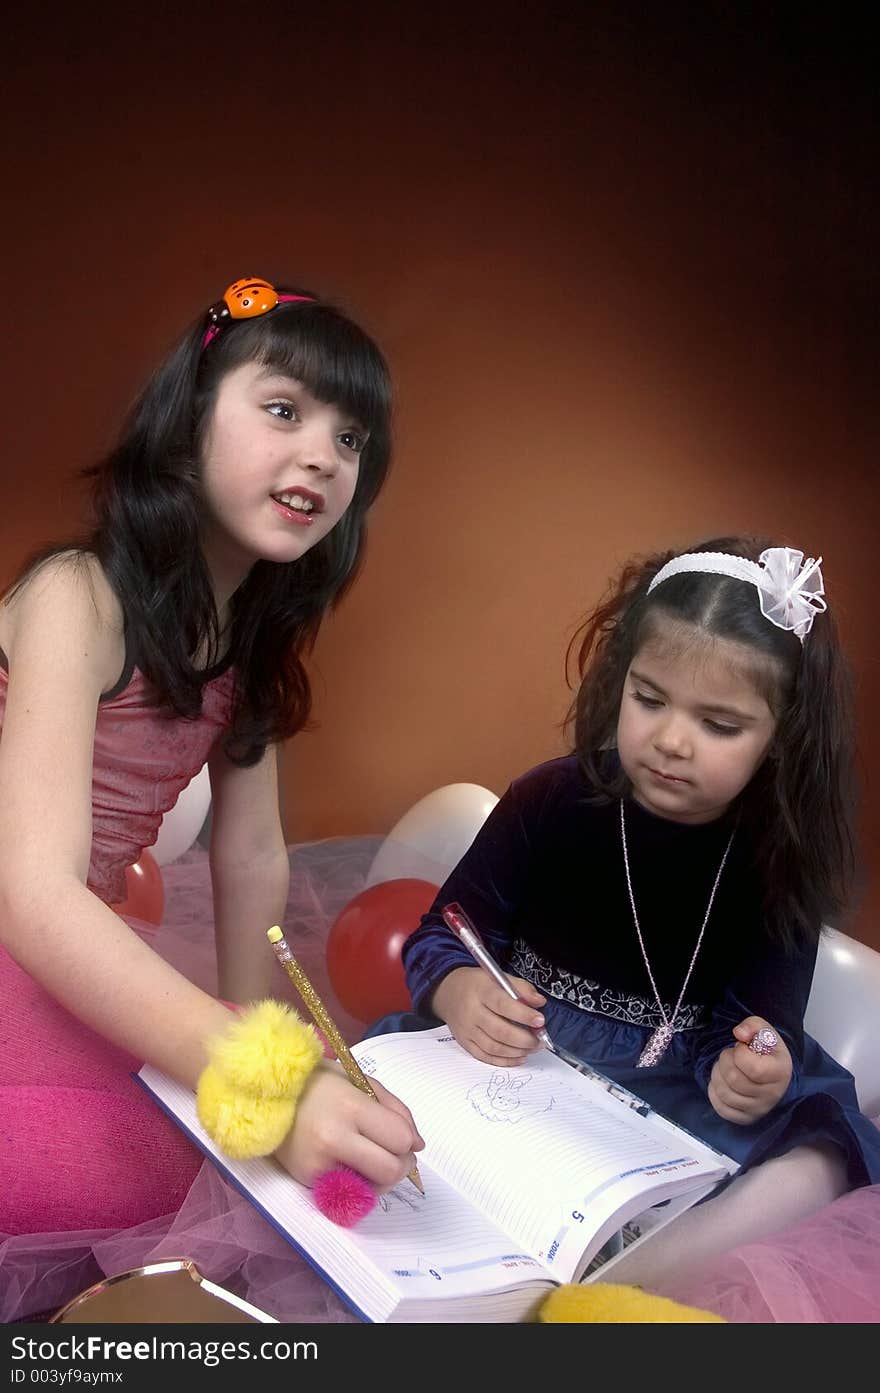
528, 1173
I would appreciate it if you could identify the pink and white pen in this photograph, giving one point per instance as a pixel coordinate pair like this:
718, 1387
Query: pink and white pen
455, 919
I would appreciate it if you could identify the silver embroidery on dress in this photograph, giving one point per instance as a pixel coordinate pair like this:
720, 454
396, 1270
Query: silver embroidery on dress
587, 995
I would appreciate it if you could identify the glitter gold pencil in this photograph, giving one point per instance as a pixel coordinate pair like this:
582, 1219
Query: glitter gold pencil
325, 1022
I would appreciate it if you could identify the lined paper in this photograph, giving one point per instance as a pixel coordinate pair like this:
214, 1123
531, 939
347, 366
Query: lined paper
526, 1171
533, 1146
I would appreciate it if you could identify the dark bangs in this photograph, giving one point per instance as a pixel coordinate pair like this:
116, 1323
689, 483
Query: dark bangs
701, 608
331, 356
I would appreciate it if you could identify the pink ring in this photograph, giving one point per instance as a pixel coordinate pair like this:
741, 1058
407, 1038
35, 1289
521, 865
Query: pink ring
764, 1041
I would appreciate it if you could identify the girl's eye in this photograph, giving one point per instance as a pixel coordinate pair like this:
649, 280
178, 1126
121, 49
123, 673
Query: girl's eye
284, 410
652, 702
353, 440
717, 728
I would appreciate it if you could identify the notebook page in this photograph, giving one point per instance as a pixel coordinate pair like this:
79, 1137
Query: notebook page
436, 1245
549, 1156
430, 1247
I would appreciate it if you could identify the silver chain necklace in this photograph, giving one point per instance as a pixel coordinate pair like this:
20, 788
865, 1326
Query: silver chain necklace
659, 1041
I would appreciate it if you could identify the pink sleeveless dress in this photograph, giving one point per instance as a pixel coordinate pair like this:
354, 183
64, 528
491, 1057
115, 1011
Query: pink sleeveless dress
82, 1146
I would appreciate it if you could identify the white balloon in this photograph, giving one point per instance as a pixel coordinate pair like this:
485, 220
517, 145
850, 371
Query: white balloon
182, 823
429, 841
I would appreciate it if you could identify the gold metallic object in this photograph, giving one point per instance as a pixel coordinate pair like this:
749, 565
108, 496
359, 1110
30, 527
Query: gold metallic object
169, 1292
325, 1023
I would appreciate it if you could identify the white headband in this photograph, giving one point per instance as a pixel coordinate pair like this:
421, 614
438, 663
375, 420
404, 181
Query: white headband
790, 589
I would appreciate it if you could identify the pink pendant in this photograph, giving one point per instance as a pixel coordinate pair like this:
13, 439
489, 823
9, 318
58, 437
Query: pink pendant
656, 1047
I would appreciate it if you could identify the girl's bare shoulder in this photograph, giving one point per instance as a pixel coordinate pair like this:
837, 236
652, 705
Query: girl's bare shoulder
65, 602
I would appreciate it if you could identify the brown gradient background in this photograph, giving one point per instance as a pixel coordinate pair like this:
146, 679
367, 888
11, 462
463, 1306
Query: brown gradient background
622, 264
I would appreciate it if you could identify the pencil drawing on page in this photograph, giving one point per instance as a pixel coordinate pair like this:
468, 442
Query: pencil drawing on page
508, 1097
398, 1198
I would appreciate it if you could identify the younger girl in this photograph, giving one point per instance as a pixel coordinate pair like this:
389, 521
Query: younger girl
228, 519
658, 895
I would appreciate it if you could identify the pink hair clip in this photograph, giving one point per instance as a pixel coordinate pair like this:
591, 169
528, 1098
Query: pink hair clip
247, 298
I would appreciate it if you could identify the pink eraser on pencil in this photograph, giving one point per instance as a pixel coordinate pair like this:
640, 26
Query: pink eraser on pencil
344, 1196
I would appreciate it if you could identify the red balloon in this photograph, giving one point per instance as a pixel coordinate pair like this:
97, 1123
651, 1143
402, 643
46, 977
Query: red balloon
363, 946
144, 891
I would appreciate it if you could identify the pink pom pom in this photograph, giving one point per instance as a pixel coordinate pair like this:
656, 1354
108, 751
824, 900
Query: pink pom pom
344, 1196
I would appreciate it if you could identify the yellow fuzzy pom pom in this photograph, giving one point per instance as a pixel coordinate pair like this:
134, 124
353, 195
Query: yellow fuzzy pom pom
241, 1124
267, 1051
606, 1303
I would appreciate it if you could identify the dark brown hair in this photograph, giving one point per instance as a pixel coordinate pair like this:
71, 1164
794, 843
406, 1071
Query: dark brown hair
147, 508
797, 810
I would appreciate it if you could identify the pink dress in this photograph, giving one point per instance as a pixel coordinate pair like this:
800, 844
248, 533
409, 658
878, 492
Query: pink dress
82, 1145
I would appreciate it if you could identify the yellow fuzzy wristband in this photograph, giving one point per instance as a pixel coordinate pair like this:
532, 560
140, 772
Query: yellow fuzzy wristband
247, 1096
605, 1303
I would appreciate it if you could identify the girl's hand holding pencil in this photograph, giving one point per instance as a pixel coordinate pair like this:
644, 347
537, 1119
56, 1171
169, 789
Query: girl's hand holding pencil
363, 1127
337, 1124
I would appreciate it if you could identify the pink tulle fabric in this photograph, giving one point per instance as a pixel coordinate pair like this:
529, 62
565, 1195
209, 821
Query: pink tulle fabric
825, 1269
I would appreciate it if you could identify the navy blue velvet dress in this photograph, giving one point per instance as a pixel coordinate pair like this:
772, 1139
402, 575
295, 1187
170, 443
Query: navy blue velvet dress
544, 883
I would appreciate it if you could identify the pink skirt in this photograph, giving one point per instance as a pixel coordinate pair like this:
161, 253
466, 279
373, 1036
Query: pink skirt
87, 1159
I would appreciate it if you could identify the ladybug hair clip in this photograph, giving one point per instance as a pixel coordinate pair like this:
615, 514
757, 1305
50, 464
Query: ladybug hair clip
246, 299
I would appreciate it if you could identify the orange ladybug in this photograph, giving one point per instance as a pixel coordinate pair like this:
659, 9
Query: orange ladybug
245, 299
249, 297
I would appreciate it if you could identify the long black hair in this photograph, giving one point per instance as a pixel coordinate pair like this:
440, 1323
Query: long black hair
797, 810
146, 513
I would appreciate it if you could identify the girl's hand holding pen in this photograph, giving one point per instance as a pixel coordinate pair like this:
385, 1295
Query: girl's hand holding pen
485, 1020
336, 1124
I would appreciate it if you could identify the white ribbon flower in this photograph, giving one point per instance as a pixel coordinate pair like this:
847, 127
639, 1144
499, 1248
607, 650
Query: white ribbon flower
790, 590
